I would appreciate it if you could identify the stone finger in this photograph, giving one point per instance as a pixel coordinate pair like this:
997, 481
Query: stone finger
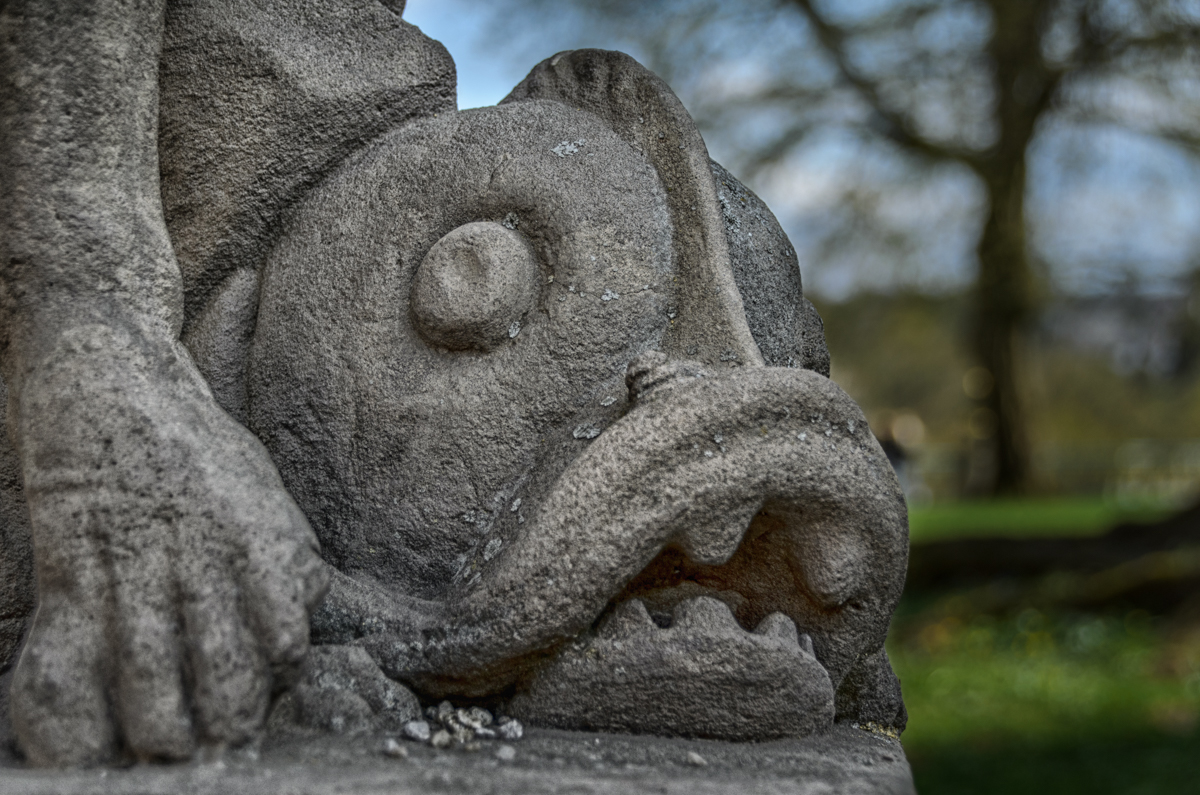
151, 703
231, 681
59, 711
282, 578
312, 572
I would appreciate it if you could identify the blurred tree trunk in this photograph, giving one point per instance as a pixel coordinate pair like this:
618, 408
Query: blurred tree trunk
1023, 86
1003, 292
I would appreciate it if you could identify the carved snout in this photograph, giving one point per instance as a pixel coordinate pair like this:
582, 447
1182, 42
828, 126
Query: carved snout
764, 484
829, 560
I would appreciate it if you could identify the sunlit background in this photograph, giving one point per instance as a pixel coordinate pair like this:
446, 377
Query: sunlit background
997, 210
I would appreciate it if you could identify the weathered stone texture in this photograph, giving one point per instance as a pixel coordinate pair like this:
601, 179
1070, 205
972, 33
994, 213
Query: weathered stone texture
541, 377
17, 596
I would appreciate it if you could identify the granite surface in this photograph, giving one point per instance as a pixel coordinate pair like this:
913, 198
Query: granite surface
846, 761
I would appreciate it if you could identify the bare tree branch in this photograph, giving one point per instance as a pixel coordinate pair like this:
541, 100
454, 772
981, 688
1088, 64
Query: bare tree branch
895, 125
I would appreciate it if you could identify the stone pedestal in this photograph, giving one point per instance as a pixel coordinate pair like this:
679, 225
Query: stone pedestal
845, 760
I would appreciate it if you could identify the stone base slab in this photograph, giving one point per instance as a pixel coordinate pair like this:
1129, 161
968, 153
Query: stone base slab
846, 761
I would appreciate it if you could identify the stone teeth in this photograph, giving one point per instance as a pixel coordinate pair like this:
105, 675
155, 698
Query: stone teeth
780, 627
704, 613
627, 618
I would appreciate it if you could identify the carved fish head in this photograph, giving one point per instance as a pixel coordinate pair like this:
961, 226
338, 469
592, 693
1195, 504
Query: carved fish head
509, 359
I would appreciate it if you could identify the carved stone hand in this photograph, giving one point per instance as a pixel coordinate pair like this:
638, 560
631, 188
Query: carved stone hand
175, 574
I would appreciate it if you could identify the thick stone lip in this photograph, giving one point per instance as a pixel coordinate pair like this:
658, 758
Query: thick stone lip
633, 492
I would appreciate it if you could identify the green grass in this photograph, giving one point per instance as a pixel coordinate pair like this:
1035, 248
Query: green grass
1132, 766
1037, 703
1023, 518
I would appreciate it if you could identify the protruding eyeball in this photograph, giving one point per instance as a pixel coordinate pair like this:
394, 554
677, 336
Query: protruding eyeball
474, 286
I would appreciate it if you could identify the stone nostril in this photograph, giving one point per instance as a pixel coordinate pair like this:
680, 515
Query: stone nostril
639, 373
472, 289
652, 370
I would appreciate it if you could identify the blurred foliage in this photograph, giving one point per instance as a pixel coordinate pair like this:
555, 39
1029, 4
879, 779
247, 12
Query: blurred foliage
902, 353
1026, 518
905, 352
911, 132
1048, 702
1081, 398
1096, 431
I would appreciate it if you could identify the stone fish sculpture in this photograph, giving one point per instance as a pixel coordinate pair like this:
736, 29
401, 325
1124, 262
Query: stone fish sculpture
540, 377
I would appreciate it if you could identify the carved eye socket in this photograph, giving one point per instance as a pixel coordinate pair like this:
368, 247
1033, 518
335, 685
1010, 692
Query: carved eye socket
473, 286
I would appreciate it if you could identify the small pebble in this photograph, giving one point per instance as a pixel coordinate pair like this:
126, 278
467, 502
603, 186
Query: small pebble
471, 746
484, 733
506, 753
511, 730
694, 758
417, 730
474, 717
441, 739
445, 711
394, 749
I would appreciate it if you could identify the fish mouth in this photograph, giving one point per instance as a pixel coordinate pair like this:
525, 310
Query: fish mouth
704, 675
762, 487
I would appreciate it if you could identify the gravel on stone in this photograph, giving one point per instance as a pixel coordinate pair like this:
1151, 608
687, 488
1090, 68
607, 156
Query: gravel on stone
447, 726
417, 730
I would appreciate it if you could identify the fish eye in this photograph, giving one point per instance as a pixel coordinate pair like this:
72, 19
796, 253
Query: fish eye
474, 287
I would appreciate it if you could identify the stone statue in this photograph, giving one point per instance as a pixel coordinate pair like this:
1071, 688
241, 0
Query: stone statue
540, 378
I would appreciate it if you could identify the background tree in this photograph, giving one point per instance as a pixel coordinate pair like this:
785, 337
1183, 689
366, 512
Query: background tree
930, 108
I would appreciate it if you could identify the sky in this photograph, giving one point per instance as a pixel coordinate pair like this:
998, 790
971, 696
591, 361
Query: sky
485, 75
1106, 211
